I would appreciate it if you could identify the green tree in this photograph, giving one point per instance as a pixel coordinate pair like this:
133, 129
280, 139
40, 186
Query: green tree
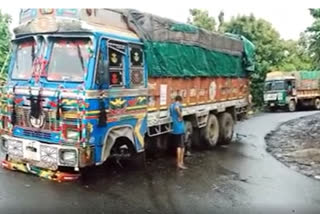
296, 56
314, 37
269, 52
5, 37
201, 19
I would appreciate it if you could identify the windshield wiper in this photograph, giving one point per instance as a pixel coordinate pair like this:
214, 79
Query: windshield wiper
33, 54
16, 60
80, 57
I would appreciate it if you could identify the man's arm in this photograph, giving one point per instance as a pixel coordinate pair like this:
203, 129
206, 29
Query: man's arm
177, 108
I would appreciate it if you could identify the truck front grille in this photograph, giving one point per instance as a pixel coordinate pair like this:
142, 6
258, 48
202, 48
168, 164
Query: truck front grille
37, 134
23, 118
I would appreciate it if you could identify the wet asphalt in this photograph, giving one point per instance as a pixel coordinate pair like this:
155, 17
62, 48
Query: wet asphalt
240, 178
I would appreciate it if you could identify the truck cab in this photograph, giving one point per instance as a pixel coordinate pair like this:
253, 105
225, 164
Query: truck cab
280, 92
76, 92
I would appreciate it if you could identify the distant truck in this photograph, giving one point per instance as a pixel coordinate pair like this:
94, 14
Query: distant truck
88, 85
289, 90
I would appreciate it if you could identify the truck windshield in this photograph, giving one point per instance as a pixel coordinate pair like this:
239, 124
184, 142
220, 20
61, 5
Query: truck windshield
24, 55
69, 59
274, 85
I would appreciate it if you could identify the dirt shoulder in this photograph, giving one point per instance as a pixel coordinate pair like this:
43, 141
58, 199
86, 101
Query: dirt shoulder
296, 143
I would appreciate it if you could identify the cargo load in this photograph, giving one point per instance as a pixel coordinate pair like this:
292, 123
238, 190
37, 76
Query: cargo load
181, 50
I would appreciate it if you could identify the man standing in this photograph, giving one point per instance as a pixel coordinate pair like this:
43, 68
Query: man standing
178, 130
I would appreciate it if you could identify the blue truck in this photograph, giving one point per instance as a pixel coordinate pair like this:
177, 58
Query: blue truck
86, 85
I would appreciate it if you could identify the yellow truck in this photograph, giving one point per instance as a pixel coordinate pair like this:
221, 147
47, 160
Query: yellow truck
289, 90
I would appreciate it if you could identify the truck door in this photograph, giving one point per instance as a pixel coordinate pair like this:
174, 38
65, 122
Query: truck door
124, 80
110, 77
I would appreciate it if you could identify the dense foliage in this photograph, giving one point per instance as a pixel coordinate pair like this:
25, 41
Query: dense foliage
272, 52
201, 18
5, 37
313, 37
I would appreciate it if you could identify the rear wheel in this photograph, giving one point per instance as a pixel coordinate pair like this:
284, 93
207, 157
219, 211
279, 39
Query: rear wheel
317, 104
196, 138
211, 131
292, 106
226, 125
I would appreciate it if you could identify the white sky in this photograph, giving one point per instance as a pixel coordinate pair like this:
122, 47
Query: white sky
289, 18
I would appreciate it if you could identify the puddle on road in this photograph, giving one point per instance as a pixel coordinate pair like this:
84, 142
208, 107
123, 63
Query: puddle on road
205, 174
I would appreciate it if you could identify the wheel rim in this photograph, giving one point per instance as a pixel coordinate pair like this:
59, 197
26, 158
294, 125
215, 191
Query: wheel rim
228, 130
213, 133
291, 106
212, 130
317, 103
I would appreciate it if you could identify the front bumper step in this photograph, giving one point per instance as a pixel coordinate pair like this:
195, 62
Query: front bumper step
48, 174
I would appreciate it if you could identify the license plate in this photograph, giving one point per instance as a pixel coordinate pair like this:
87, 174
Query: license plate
271, 104
31, 150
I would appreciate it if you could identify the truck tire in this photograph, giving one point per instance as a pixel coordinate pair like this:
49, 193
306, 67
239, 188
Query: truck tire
317, 104
226, 125
292, 106
197, 139
188, 134
211, 131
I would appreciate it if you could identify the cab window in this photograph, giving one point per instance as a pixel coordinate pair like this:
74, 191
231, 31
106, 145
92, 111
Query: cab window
116, 53
136, 66
110, 68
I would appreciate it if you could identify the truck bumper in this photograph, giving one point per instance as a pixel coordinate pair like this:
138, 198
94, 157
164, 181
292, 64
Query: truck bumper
43, 173
274, 104
39, 158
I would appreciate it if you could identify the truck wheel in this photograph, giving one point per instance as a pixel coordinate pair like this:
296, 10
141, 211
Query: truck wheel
196, 138
317, 104
188, 133
226, 124
292, 106
211, 131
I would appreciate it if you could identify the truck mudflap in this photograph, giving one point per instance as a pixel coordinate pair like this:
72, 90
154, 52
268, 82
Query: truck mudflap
43, 173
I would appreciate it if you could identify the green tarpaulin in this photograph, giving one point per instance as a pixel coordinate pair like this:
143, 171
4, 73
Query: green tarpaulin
309, 75
181, 50
170, 59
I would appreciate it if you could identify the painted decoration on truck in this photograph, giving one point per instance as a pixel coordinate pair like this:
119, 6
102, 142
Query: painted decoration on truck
163, 94
118, 103
197, 90
137, 130
137, 102
212, 90
27, 15
129, 105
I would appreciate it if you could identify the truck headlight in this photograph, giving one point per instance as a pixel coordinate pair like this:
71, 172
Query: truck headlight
280, 96
68, 156
72, 134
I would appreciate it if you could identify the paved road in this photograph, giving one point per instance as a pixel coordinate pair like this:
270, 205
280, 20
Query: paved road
242, 178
